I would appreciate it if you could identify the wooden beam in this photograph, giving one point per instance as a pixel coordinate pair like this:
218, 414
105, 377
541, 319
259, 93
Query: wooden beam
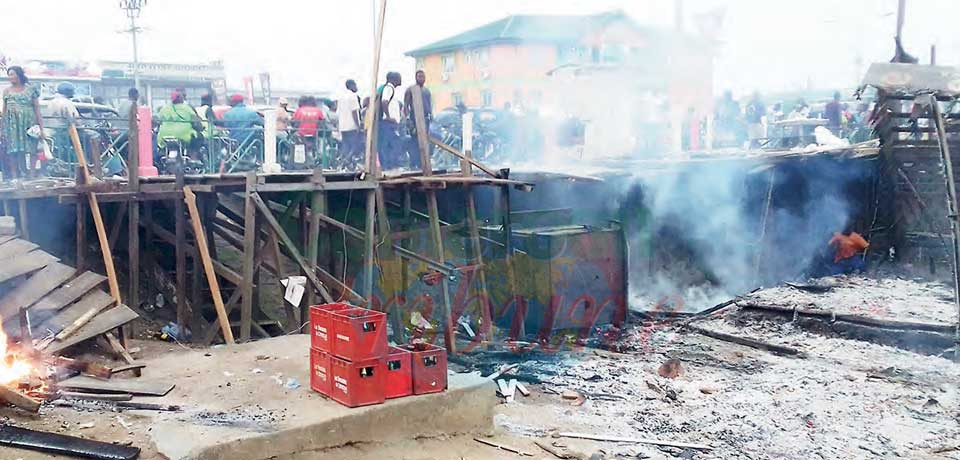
249, 250
952, 207
288, 242
24, 220
371, 122
434, 213
318, 207
464, 158
201, 236
486, 316
117, 225
97, 218
180, 253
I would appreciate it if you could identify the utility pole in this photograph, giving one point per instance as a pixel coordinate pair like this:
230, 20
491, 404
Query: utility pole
901, 13
132, 8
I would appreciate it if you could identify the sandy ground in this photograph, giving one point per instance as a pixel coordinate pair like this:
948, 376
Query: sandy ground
844, 399
889, 298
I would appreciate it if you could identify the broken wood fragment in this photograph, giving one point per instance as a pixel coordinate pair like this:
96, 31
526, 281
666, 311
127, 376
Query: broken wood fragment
504, 447
556, 452
655, 442
523, 389
95, 396
128, 368
19, 399
747, 342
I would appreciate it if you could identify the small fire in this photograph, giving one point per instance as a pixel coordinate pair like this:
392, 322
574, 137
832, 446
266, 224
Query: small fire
12, 367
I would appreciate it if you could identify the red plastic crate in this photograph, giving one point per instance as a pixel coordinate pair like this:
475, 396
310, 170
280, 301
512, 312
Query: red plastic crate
320, 378
429, 368
359, 334
320, 326
357, 383
398, 381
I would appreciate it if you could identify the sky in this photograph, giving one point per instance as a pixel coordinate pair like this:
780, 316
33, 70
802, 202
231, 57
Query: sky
765, 45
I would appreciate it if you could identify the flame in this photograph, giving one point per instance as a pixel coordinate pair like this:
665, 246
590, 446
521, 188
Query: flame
12, 367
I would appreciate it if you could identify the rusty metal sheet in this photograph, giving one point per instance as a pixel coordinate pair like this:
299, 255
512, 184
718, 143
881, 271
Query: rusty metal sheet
913, 78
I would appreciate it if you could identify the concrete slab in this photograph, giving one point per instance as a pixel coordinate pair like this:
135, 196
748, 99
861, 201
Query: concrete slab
238, 406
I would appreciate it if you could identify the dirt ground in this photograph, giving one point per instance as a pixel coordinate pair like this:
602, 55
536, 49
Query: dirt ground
841, 399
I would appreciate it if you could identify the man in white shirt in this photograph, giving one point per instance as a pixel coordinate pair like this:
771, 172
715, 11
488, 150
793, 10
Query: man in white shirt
389, 146
349, 123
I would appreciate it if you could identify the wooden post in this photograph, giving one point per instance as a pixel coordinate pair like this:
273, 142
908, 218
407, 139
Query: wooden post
201, 236
148, 259
471, 216
318, 206
97, 219
371, 121
249, 252
369, 244
81, 261
180, 249
947, 162
434, 213
763, 228
133, 215
24, 219
520, 310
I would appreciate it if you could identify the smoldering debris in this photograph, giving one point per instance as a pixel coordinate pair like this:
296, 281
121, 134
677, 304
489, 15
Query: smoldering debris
705, 233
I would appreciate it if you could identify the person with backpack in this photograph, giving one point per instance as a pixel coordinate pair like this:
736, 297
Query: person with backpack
389, 145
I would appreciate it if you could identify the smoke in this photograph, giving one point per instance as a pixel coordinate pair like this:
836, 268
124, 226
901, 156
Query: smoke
696, 236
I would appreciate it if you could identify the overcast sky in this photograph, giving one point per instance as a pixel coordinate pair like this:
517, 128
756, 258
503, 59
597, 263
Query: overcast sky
314, 44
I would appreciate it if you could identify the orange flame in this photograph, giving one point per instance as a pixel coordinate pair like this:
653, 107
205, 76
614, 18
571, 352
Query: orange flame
12, 368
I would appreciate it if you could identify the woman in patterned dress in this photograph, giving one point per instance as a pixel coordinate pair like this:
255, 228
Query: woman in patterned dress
21, 111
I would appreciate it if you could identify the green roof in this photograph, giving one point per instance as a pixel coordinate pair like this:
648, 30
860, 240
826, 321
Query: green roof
523, 28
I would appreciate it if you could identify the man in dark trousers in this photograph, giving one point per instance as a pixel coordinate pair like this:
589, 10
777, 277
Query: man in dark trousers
413, 147
388, 136
833, 112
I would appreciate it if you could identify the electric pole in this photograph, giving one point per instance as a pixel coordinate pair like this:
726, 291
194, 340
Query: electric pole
132, 8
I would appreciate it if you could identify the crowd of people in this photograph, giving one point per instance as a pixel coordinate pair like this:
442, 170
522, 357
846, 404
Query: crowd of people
27, 130
755, 124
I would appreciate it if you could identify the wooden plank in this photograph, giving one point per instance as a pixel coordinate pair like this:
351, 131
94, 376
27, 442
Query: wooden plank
95, 300
249, 252
201, 236
19, 399
464, 157
69, 292
318, 207
102, 323
24, 220
15, 248
486, 315
952, 204
132, 386
180, 248
291, 247
35, 288
434, 216
25, 263
97, 218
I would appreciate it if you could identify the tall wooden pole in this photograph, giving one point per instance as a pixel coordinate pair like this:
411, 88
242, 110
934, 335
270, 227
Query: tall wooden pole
948, 176
97, 218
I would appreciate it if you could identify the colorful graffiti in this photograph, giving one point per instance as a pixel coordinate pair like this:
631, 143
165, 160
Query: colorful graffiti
560, 286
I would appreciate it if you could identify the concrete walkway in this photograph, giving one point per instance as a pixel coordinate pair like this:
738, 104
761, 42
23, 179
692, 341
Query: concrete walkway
238, 405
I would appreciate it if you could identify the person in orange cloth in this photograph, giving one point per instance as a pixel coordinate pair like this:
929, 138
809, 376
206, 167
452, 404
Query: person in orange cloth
849, 248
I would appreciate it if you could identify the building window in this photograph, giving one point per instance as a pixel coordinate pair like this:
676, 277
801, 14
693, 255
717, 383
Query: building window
487, 97
457, 99
570, 54
448, 62
420, 63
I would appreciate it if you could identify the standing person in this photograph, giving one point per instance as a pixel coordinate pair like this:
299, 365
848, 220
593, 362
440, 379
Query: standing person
21, 111
349, 123
62, 112
413, 147
832, 113
283, 117
388, 144
126, 105
755, 112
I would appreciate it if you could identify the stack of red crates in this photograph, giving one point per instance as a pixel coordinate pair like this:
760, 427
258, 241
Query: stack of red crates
351, 362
